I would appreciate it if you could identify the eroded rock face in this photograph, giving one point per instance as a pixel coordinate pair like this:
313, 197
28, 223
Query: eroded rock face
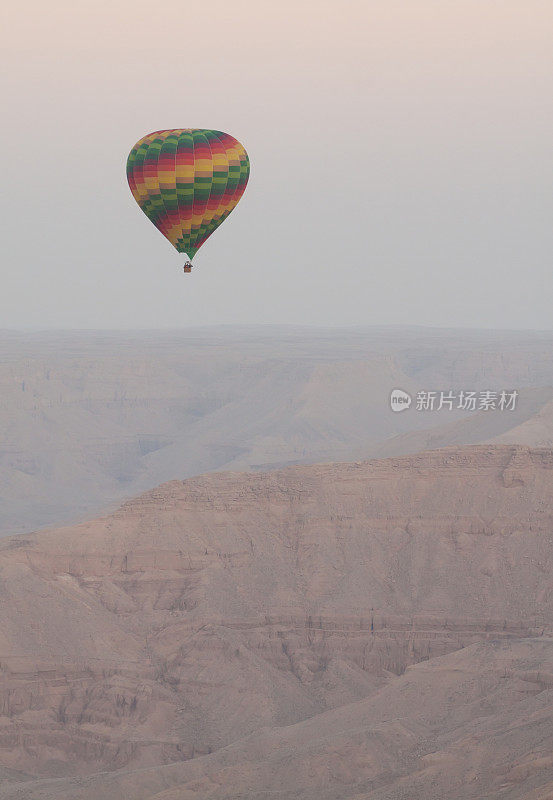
209, 609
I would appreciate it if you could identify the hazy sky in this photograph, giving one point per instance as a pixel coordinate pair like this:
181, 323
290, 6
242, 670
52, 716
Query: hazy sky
402, 161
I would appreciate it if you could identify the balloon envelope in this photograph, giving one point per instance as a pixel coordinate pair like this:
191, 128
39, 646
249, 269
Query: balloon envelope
187, 181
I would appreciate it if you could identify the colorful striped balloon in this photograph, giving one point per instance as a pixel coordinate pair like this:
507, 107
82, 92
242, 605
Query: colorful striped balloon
187, 181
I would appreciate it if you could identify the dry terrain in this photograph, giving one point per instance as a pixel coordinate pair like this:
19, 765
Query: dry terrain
88, 419
376, 630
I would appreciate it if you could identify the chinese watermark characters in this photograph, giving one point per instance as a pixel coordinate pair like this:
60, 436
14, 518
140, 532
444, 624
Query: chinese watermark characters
487, 400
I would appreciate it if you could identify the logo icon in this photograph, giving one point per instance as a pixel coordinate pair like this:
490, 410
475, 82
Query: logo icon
400, 400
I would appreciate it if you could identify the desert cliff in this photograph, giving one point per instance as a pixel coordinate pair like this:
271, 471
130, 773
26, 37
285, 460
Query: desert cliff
211, 626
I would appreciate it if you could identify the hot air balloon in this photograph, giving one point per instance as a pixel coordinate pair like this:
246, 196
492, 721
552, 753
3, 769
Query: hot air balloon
187, 181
